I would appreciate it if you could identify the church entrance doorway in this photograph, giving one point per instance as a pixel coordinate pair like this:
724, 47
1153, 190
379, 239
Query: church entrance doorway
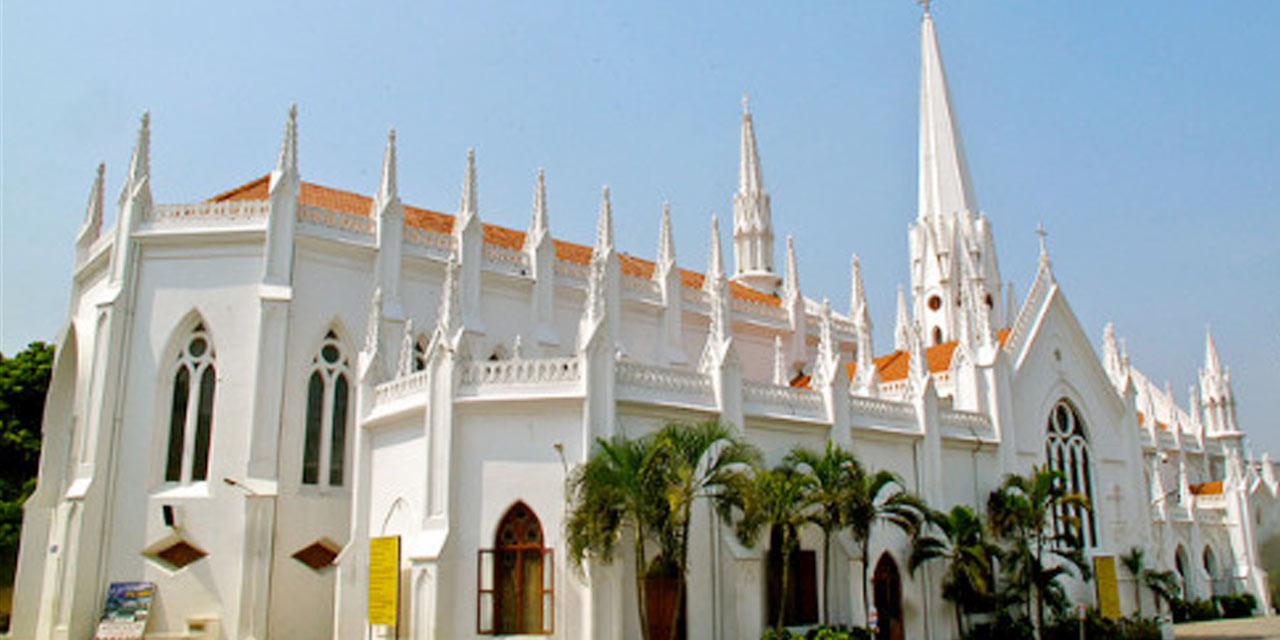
887, 589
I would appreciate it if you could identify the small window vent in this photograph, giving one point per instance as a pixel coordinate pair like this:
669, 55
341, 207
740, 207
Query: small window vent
319, 554
176, 553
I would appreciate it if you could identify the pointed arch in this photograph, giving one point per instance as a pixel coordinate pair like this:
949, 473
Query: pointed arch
886, 582
191, 382
1067, 451
327, 416
516, 577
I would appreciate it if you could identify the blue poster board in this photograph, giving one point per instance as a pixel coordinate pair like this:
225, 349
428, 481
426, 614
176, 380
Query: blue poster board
124, 616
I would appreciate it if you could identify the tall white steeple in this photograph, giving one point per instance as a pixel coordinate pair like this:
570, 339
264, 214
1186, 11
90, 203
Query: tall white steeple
752, 220
949, 233
1218, 402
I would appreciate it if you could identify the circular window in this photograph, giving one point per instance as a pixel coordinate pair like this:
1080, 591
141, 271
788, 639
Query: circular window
197, 347
935, 303
329, 353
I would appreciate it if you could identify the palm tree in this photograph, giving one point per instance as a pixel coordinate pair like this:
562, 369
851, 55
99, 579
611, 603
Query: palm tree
1163, 584
646, 488
961, 541
873, 498
832, 475
779, 497
693, 462
1135, 563
1036, 514
613, 494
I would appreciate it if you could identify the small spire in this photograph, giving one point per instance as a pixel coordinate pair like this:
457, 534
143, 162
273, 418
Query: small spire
604, 226
857, 293
779, 362
902, 331
1212, 363
791, 287
666, 243
140, 163
750, 178
287, 162
387, 190
539, 225
93, 211
715, 259
469, 207
917, 363
1010, 304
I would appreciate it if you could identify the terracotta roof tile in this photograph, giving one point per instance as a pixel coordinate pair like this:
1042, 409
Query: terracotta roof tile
1207, 488
419, 218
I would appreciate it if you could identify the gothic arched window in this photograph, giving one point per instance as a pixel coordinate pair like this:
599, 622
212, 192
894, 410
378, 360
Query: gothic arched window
516, 577
328, 393
1067, 450
194, 382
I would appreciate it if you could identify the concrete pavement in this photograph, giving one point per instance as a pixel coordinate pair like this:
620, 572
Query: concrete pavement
1236, 629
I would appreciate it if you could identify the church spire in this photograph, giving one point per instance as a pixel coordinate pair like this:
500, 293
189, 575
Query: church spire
604, 226
791, 286
1212, 363
752, 225
945, 187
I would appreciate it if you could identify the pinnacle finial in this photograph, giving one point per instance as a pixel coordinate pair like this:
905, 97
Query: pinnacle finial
539, 225
857, 293
666, 242
288, 158
925, 4
750, 176
745, 101
791, 287
604, 225
469, 206
93, 213
387, 188
1044, 251
715, 259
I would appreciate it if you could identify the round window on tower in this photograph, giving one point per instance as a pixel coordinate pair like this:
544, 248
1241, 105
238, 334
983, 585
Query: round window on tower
935, 303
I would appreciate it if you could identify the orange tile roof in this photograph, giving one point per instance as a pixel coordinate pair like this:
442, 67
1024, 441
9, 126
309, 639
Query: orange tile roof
1207, 488
1142, 418
894, 366
360, 205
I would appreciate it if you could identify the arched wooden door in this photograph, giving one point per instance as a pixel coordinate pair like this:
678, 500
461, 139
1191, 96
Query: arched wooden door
887, 589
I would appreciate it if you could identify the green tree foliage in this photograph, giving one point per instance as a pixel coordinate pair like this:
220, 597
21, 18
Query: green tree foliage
1035, 516
780, 497
646, 488
879, 497
833, 474
24, 379
959, 539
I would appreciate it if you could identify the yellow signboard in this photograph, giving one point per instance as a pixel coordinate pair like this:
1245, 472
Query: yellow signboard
384, 580
1104, 575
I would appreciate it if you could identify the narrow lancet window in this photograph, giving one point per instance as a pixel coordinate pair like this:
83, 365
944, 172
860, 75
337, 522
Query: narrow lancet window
195, 381
325, 435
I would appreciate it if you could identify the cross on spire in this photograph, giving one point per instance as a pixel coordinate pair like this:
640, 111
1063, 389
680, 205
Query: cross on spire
925, 4
745, 100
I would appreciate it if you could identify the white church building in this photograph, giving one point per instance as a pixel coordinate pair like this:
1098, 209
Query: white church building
249, 388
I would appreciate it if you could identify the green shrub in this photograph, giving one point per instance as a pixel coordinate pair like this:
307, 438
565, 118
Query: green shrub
1098, 627
1004, 627
1193, 610
1237, 605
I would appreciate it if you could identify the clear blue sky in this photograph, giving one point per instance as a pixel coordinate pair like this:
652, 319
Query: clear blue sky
1143, 134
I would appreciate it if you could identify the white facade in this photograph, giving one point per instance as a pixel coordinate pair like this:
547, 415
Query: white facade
377, 369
